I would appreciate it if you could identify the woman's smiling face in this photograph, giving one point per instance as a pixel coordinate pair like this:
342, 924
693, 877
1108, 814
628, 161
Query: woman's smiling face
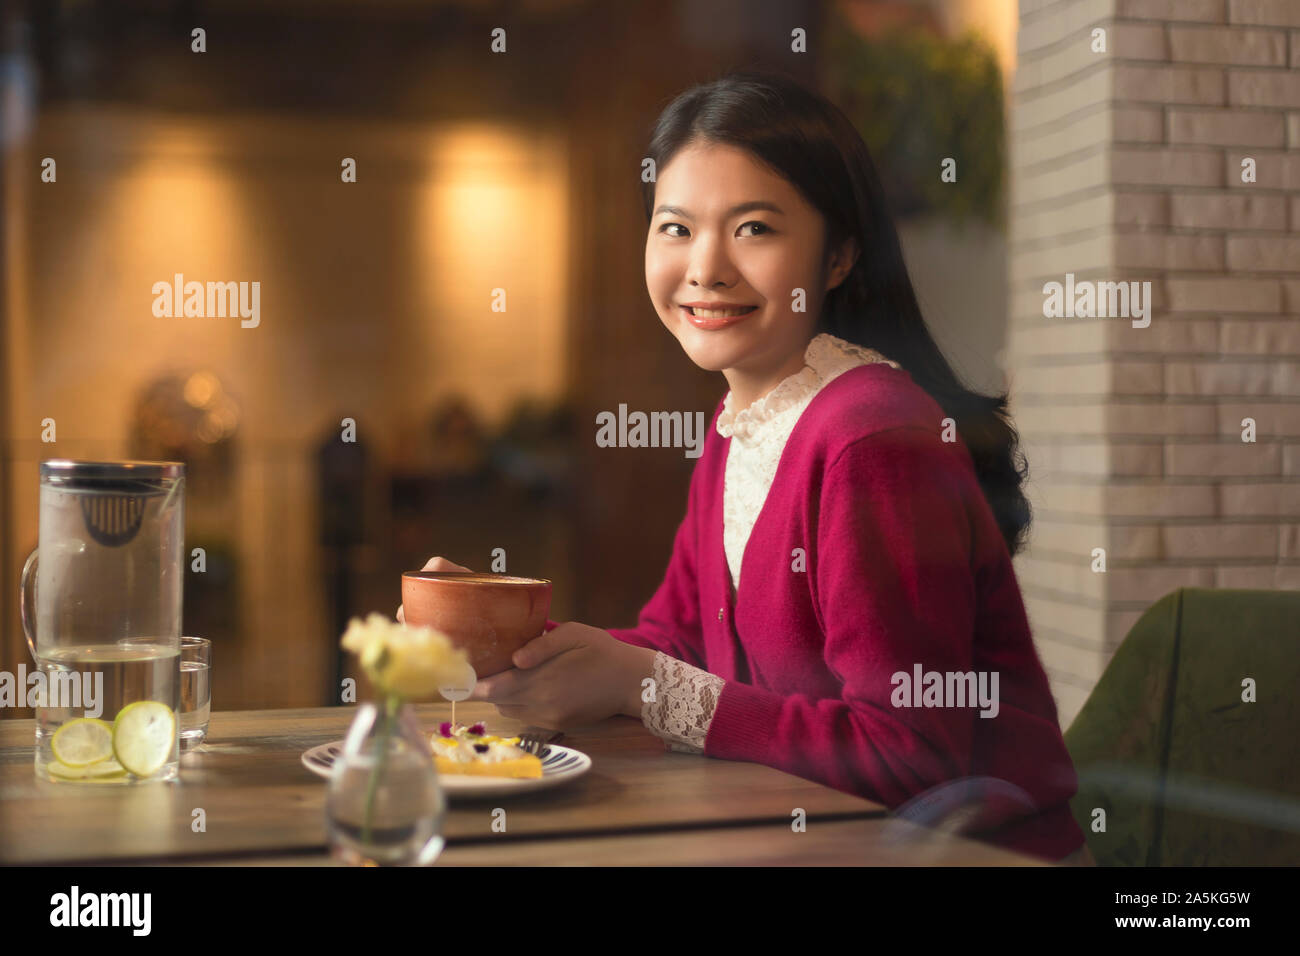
726, 229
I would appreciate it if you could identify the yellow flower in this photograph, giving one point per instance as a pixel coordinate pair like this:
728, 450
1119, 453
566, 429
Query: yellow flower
408, 662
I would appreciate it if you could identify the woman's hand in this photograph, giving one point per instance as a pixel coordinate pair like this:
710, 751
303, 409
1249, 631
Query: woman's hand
433, 564
571, 676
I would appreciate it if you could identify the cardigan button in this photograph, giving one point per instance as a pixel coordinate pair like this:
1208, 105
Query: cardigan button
720, 614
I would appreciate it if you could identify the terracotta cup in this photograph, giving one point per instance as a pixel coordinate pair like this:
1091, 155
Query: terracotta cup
490, 616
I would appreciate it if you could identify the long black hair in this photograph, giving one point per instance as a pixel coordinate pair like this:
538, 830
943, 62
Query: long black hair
807, 140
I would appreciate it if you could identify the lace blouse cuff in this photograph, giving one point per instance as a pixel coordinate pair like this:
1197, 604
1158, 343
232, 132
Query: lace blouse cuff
685, 698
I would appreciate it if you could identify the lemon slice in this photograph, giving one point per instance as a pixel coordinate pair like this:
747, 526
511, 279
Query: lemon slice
144, 736
82, 742
106, 771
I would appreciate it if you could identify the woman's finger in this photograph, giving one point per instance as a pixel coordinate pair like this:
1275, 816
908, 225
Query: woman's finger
499, 687
439, 563
545, 646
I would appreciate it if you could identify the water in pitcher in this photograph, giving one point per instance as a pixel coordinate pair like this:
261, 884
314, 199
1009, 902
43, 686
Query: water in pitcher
110, 715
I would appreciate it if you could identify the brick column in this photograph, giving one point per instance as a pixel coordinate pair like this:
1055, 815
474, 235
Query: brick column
1127, 165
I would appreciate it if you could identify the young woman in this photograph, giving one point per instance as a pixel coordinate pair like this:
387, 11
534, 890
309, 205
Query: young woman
840, 601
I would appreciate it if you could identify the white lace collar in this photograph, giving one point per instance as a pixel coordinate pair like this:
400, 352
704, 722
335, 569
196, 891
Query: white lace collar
825, 358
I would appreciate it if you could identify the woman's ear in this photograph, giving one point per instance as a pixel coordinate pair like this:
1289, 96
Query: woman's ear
842, 262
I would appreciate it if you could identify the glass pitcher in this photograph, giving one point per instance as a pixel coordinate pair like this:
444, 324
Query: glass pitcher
104, 621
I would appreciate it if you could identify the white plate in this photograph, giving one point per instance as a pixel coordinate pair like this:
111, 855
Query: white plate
559, 766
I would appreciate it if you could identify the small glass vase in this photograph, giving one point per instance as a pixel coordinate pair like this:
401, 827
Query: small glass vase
385, 805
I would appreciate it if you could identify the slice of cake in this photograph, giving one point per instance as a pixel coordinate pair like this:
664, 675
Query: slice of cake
472, 750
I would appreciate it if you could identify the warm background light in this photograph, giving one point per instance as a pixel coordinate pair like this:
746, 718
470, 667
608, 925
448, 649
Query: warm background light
375, 321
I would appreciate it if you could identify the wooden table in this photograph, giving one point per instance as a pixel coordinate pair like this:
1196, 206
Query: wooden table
639, 804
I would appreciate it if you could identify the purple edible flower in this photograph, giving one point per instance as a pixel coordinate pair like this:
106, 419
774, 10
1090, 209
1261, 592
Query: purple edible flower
477, 729
444, 728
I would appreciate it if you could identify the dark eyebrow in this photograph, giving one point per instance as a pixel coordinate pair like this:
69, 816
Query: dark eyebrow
744, 207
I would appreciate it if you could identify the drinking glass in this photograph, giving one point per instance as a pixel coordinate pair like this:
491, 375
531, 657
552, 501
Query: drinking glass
196, 691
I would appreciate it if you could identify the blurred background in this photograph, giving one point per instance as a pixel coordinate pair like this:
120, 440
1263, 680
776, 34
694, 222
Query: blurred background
477, 170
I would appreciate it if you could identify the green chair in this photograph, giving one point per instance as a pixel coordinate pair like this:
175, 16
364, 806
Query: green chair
1187, 772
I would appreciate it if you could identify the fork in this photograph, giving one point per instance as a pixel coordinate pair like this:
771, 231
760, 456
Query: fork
533, 741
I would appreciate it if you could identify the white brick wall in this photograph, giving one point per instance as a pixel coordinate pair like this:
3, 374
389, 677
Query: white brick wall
1126, 165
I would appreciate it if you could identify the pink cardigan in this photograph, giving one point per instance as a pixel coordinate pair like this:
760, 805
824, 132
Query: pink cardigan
905, 567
